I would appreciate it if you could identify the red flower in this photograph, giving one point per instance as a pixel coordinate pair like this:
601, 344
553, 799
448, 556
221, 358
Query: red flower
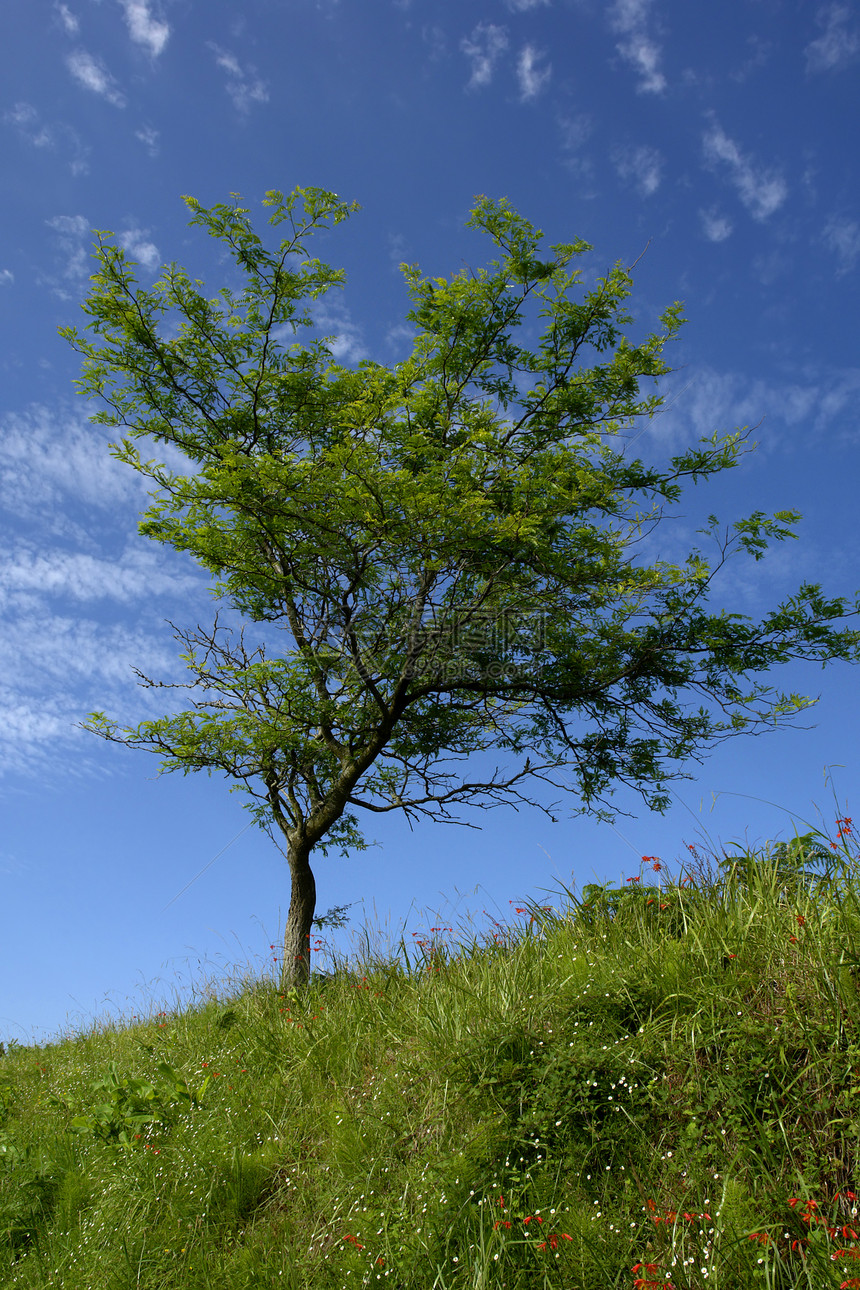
552, 1240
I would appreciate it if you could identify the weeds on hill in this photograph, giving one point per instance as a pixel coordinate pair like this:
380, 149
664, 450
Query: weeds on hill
656, 1088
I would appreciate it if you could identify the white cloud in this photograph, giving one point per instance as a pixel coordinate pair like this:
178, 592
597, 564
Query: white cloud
434, 38
575, 132
520, 6
30, 573
92, 75
38, 134
640, 166
143, 28
7, 277
531, 77
484, 47
48, 459
629, 19
761, 190
243, 85
26, 118
70, 232
345, 340
837, 45
149, 138
709, 400
842, 236
55, 669
716, 227
68, 19
145, 253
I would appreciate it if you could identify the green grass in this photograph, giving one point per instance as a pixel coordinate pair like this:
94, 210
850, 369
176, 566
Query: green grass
656, 1086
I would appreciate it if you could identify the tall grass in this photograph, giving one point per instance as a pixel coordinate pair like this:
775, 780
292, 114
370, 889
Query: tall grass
657, 1086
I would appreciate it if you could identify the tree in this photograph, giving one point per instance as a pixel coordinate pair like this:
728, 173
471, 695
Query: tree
438, 559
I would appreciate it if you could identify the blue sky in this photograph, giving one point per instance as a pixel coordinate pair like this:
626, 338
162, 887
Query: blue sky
719, 140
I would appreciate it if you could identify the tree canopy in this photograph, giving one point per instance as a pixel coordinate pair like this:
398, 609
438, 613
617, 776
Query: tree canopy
433, 559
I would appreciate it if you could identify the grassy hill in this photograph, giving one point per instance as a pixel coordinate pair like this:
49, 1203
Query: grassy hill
657, 1086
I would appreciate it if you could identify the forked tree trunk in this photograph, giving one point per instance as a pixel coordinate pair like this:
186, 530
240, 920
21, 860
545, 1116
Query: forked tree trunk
296, 965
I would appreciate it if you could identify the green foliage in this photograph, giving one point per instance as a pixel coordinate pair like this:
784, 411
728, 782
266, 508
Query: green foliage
124, 1108
436, 558
599, 1099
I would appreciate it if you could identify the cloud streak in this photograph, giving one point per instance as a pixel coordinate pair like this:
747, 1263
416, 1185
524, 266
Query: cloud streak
70, 231
531, 77
143, 28
710, 400
762, 190
716, 227
838, 45
484, 47
32, 573
345, 339
71, 25
629, 20
53, 136
842, 237
90, 73
145, 253
243, 85
642, 167
48, 459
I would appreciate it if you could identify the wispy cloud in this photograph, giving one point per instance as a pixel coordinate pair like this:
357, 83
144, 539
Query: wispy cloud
629, 20
243, 84
520, 6
434, 37
92, 75
55, 136
149, 138
484, 47
575, 131
7, 277
532, 78
48, 459
716, 227
761, 189
69, 234
30, 572
83, 596
345, 341
55, 668
143, 28
70, 22
145, 253
642, 167
838, 44
842, 236
709, 400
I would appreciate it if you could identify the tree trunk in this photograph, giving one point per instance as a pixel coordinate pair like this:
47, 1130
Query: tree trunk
296, 965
